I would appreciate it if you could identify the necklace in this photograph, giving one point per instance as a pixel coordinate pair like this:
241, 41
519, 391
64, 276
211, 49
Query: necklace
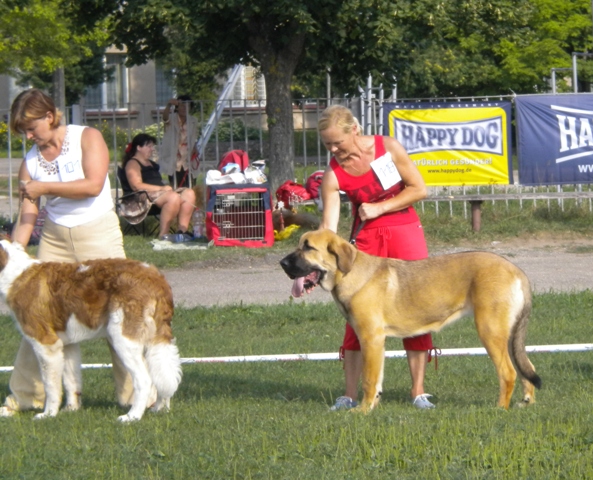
52, 168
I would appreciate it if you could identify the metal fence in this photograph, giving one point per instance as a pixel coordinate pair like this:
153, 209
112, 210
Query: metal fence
240, 124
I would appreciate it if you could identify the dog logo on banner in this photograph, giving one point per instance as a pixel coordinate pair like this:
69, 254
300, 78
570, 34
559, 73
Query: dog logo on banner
574, 129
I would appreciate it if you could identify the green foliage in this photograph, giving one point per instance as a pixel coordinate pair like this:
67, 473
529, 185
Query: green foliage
237, 128
16, 140
157, 130
43, 35
111, 135
310, 145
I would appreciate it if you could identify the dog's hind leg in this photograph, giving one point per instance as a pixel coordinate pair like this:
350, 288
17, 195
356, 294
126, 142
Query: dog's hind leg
72, 376
164, 366
494, 334
51, 364
130, 353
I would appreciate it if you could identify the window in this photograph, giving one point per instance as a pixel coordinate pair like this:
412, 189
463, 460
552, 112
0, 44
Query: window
112, 94
250, 87
164, 89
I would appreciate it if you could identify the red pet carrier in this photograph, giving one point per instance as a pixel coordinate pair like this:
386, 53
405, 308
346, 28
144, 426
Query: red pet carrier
239, 157
239, 215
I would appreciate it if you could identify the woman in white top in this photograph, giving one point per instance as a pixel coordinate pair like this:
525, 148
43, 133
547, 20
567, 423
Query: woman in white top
68, 166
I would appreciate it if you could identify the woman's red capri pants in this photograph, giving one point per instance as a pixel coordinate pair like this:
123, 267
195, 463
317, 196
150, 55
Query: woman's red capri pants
405, 242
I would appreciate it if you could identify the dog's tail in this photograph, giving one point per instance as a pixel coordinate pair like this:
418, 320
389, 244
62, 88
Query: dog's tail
164, 366
517, 344
162, 355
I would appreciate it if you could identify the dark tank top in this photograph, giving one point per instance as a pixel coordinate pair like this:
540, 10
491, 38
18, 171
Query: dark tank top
150, 174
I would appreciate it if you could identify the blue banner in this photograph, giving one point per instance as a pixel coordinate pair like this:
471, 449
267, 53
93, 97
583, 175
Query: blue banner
555, 138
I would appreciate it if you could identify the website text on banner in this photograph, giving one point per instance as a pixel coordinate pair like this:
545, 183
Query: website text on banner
555, 138
455, 144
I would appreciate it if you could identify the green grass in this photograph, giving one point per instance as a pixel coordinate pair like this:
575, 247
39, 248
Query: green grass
270, 420
503, 221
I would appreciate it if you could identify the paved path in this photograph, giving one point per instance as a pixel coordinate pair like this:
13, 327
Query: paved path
549, 269
550, 266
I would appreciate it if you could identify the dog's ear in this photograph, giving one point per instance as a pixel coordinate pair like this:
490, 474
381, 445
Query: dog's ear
344, 253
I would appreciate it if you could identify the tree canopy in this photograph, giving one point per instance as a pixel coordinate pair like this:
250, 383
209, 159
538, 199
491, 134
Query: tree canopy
40, 36
432, 47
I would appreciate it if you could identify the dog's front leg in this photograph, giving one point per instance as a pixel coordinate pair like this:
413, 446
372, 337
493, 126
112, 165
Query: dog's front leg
373, 359
72, 376
51, 365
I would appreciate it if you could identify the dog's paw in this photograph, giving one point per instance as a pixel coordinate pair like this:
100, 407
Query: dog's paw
360, 409
41, 416
525, 402
127, 419
6, 411
161, 405
71, 408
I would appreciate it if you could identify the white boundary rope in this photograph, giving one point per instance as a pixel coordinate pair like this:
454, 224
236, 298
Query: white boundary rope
446, 352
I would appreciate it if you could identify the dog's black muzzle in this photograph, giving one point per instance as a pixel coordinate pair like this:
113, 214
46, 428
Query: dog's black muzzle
294, 266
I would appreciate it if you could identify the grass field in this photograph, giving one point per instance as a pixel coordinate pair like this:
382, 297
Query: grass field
270, 420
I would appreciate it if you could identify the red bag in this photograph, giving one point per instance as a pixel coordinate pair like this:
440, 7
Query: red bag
290, 193
314, 183
240, 157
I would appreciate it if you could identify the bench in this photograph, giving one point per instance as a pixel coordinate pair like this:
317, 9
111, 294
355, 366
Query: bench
476, 200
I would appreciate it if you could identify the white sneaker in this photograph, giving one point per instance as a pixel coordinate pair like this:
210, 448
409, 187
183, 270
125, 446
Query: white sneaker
343, 403
421, 401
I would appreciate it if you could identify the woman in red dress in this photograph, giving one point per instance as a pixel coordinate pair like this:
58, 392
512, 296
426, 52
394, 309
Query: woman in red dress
382, 183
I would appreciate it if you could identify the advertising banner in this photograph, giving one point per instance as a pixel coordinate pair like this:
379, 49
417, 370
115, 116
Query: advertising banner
455, 144
555, 138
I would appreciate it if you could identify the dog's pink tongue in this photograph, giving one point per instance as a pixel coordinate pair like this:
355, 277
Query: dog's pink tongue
298, 287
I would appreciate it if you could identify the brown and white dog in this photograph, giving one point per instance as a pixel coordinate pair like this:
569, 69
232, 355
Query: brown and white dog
58, 304
383, 297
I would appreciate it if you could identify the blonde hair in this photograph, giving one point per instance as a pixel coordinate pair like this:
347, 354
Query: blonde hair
32, 105
339, 116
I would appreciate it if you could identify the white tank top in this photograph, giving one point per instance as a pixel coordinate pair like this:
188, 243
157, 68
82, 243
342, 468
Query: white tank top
65, 168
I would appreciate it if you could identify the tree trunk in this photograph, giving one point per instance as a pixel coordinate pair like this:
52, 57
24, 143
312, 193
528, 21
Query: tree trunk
278, 66
281, 129
59, 90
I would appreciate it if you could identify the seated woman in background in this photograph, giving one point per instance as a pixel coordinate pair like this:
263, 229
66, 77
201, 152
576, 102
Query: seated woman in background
142, 173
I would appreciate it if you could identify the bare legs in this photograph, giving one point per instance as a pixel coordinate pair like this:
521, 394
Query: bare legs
417, 360
176, 206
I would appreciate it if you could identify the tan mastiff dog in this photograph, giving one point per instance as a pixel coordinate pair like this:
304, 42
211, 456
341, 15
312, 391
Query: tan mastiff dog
383, 297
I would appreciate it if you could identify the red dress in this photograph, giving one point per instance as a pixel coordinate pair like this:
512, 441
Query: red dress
393, 235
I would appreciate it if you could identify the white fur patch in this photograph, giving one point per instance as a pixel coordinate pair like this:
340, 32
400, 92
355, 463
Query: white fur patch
517, 302
77, 332
18, 262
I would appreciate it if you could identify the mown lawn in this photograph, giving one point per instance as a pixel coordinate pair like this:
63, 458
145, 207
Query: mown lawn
270, 420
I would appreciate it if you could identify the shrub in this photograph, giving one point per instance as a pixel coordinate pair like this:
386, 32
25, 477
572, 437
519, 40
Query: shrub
106, 129
238, 129
157, 130
15, 139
